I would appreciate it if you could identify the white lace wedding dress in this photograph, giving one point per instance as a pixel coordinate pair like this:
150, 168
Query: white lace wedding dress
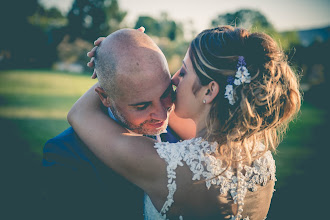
252, 188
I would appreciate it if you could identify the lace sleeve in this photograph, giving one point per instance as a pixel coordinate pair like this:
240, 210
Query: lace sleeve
172, 154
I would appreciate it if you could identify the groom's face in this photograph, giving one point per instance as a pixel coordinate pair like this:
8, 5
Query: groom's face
145, 101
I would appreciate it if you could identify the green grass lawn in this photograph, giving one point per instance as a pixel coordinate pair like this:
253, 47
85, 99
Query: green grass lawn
34, 105
37, 102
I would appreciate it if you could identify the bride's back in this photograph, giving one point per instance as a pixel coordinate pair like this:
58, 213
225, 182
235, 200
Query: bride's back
195, 201
200, 187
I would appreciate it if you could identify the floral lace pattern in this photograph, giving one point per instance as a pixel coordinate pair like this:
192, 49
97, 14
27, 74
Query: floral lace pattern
197, 154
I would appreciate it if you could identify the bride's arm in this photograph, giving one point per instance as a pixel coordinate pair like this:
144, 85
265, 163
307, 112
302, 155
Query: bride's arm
134, 157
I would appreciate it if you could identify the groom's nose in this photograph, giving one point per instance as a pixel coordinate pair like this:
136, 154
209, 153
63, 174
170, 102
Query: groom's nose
159, 111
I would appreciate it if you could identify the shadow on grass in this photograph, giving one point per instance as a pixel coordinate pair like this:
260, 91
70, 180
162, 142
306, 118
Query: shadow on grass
304, 195
22, 180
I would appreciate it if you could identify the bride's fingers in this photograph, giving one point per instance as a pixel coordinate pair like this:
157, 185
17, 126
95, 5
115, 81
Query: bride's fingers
92, 52
142, 29
94, 75
91, 63
98, 41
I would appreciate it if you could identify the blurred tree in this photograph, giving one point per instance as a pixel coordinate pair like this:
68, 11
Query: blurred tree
22, 44
53, 13
13, 20
255, 21
151, 25
245, 18
163, 27
168, 35
292, 37
48, 19
89, 19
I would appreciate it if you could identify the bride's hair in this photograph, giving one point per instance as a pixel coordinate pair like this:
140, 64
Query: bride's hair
263, 107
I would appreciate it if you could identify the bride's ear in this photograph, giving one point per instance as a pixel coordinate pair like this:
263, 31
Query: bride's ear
212, 90
103, 96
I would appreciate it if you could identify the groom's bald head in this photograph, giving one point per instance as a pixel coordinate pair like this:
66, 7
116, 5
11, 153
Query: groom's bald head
135, 81
123, 58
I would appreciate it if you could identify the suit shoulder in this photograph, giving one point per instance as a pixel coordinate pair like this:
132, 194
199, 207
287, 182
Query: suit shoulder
66, 136
66, 145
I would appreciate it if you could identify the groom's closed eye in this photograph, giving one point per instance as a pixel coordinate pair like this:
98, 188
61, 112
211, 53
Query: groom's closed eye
141, 106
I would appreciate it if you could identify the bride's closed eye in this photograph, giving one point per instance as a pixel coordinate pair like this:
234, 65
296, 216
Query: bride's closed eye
182, 72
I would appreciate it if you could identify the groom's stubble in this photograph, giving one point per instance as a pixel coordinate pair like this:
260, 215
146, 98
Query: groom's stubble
140, 128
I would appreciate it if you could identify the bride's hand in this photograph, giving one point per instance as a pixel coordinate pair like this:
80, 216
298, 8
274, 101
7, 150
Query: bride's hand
91, 53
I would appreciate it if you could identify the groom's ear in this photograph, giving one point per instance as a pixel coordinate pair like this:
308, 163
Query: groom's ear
103, 96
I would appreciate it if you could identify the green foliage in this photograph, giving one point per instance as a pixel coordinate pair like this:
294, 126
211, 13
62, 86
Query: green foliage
174, 52
255, 21
74, 52
245, 18
48, 18
50, 13
168, 35
249, 19
114, 15
151, 25
13, 21
162, 27
290, 38
14, 12
23, 44
89, 19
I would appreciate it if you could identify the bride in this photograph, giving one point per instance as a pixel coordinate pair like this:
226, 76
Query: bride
241, 93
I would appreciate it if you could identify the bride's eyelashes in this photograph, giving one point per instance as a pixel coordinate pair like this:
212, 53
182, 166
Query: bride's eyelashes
182, 72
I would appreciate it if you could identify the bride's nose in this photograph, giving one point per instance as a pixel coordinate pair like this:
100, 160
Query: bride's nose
175, 78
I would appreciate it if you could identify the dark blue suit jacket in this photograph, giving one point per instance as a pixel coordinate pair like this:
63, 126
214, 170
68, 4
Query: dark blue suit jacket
80, 186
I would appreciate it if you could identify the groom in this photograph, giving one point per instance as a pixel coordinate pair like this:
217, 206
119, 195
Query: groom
81, 186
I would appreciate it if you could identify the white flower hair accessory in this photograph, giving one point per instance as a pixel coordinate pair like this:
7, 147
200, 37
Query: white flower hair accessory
229, 94
242, 76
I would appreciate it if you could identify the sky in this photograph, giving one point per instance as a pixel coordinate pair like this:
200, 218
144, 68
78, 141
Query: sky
283, 14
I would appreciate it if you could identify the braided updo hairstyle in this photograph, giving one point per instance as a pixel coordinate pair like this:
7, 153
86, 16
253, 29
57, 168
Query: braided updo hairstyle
263, 107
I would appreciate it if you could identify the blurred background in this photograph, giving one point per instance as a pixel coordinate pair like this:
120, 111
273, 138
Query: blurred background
43, 46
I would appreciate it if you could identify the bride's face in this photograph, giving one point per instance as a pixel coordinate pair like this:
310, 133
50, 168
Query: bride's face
188, 103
